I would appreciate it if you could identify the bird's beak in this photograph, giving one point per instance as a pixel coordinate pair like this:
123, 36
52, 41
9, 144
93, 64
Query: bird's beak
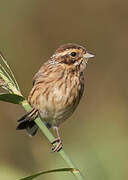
89, 55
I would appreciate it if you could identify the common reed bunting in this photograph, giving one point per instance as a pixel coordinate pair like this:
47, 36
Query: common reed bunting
57, 89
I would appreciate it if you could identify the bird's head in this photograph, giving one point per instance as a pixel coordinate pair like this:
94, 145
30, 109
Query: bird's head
72, 56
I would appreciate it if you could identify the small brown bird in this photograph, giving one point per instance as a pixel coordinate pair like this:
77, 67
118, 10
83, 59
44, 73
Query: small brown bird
57, 89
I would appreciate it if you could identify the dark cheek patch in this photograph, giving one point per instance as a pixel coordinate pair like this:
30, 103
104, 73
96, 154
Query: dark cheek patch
69, 61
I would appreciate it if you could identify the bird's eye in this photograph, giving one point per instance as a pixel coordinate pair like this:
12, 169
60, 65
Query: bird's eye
73, 54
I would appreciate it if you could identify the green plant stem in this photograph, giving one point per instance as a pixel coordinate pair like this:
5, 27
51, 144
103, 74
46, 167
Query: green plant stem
76, 172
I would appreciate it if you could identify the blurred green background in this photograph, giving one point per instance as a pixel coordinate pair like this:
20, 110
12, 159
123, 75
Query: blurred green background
96, 136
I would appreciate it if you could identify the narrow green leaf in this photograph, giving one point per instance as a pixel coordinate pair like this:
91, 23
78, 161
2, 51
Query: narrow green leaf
11, 98
50, 171
9, 70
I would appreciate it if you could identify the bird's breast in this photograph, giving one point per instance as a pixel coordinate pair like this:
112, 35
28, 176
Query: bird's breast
58, 99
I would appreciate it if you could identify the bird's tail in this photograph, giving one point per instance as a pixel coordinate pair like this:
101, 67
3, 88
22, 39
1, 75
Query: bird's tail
27, 122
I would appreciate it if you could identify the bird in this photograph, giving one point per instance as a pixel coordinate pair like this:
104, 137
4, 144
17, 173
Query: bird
57, 90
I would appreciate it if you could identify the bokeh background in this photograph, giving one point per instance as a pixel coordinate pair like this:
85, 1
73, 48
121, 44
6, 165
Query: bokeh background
96, 136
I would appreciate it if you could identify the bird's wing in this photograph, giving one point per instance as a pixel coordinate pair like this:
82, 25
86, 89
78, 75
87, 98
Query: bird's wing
39, 73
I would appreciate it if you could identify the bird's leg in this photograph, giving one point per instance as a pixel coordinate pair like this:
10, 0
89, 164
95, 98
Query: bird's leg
58, 147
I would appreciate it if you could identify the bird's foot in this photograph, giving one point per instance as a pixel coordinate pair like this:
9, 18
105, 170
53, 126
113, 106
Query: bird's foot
58, 147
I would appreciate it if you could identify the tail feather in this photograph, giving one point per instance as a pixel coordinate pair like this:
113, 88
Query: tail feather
23, 118
32, 128
29, 115
27, 122
23, 125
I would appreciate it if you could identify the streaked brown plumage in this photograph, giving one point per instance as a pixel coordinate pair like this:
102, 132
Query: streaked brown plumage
57, 89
